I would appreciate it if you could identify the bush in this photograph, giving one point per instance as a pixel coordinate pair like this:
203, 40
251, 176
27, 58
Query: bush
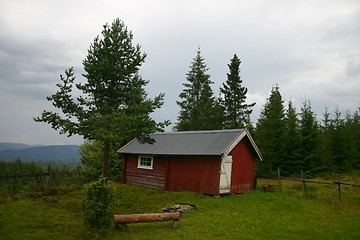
98, 205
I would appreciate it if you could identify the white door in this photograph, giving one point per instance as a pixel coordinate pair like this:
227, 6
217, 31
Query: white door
225, 174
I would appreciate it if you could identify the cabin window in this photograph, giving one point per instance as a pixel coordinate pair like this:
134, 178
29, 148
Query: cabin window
145, 162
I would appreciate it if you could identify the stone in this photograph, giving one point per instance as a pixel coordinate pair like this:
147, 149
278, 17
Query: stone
179, 208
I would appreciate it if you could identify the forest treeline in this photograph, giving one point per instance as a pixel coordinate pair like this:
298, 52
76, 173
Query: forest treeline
297, 141
288, 139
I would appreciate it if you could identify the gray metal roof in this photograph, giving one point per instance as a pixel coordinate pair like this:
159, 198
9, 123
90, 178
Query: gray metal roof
189, 143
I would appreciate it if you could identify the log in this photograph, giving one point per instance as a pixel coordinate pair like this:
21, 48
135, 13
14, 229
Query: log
151, 217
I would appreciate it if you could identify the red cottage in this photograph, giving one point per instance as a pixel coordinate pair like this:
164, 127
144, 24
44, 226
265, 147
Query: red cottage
208, 162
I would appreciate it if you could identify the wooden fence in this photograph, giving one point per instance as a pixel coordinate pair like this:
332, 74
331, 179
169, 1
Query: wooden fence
18, 182
338, 184
12, 184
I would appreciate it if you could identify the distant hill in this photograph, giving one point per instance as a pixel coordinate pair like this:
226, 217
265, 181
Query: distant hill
13, 146
61, 154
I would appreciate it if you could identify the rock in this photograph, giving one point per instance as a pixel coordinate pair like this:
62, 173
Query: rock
179, 208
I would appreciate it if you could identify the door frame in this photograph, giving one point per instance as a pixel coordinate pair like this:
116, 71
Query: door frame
225, 174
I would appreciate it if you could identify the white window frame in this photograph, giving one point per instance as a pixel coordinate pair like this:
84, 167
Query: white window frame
146, 166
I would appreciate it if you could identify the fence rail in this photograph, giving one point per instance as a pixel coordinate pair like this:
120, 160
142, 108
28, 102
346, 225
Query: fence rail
44, 174
338, 184
320, 182
33, 175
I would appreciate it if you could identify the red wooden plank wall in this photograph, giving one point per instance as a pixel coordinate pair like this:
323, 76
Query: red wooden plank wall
195, 174
154, 178
243, 168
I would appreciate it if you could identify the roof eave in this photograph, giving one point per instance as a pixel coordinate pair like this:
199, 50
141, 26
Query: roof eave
119, 151
244, 133
170, 154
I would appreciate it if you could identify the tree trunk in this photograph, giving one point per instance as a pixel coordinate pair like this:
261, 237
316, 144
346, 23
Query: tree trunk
106, 156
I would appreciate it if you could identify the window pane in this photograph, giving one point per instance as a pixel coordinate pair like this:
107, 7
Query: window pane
145, 162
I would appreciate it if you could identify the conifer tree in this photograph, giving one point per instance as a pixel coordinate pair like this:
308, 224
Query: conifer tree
199, 110
290, 163
339, 143
355, 139
350, 131
237, 111
269, 133
309, 139
113, 106
326, 149
340, 140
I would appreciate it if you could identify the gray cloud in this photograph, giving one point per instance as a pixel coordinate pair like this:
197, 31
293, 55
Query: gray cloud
353, 67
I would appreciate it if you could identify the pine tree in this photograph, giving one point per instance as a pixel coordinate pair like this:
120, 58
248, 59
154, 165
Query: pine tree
237, 112
199, 110
355, 139
326, 150
113, 106
349, 132
269, 133
290, 162
342, 142
309, 139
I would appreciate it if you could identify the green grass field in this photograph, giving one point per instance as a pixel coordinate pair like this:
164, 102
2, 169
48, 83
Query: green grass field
254, 215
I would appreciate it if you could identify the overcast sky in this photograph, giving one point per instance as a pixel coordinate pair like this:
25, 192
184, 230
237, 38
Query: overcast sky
311, 49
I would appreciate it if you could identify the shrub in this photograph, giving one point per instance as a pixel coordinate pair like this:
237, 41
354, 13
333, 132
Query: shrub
98, 204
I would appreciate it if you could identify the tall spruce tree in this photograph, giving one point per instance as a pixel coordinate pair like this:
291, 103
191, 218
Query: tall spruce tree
199, 108
290, 163
113, 106
340, 140
355, 138
309, 139
269, 133
237, 111
326, 149
350, 132
339, 143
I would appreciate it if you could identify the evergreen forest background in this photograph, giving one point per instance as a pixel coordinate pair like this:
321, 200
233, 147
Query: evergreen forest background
290, 139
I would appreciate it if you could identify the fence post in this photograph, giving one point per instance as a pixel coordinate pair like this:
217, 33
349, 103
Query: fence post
303, 181
339, 189
48, 177
78, 173
13, 183
279, 177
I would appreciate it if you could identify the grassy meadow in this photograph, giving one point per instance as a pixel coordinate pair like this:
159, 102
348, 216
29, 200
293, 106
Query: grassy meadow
289, 214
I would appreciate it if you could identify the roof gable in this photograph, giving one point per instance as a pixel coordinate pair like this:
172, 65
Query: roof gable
215, 142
